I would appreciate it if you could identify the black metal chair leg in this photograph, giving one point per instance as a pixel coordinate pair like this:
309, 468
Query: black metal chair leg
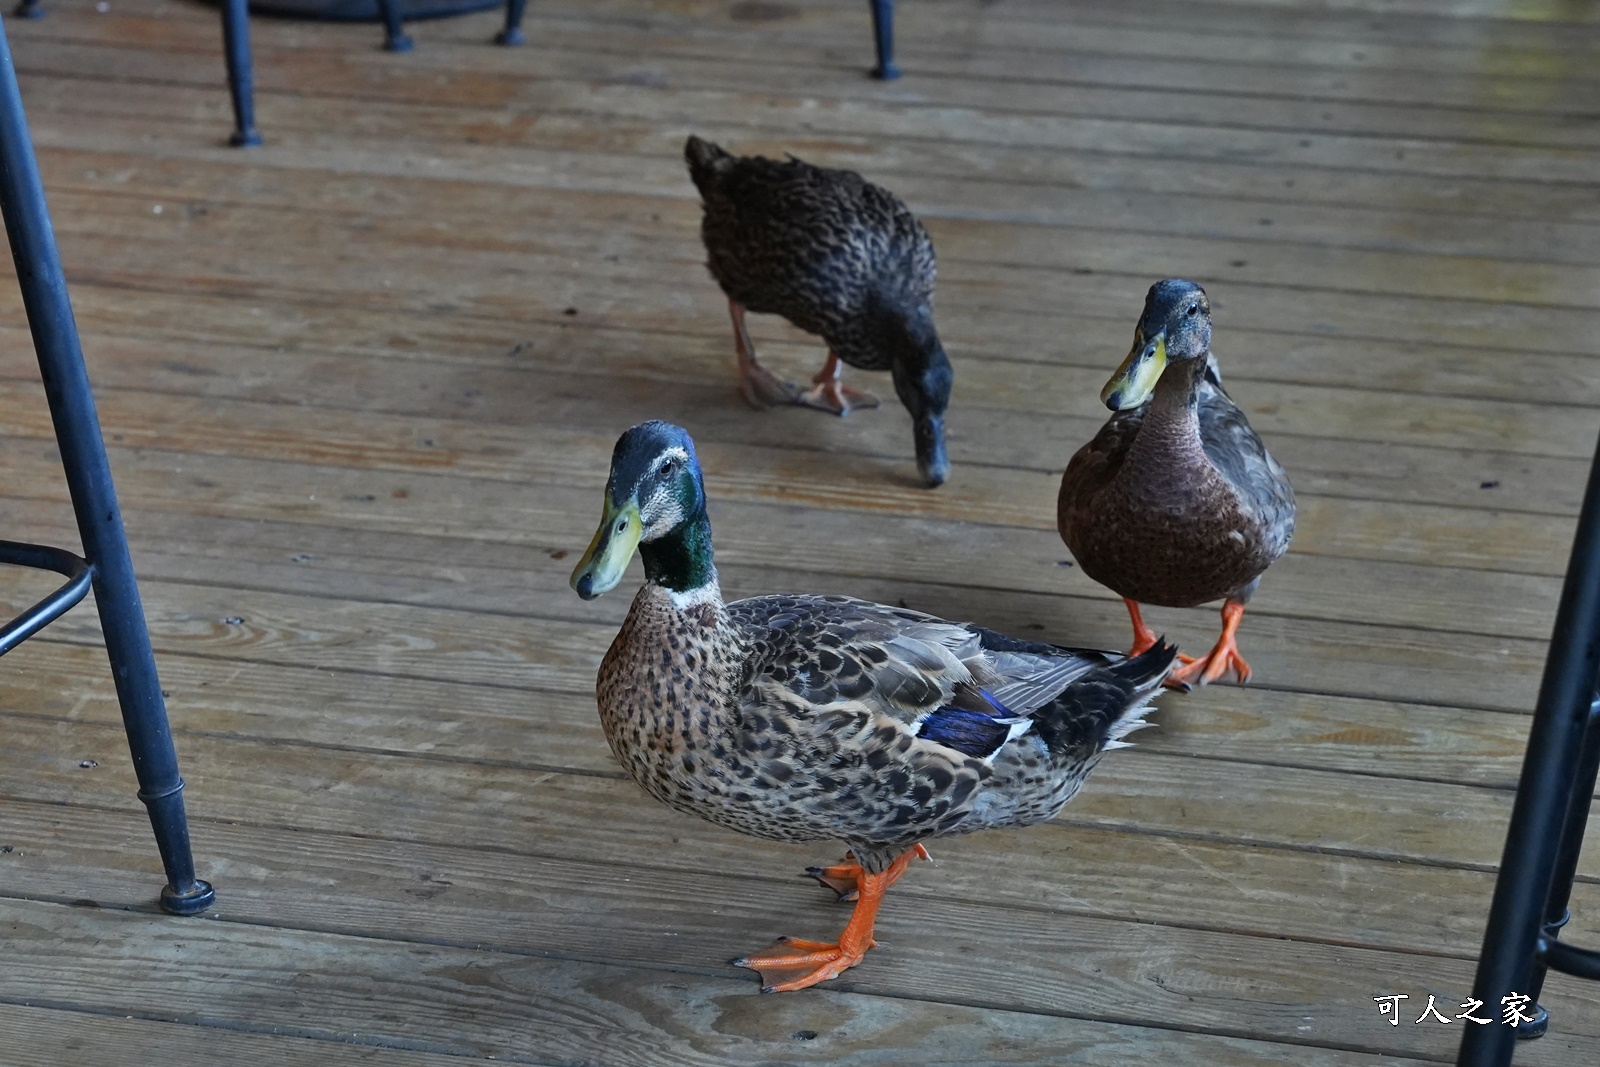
28, 9
1551, 770
1556, 914
83, 454
883, 36
236, 49
512, 34
394, 34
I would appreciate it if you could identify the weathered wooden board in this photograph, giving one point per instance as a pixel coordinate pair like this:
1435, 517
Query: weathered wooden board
531, 1009
361, 386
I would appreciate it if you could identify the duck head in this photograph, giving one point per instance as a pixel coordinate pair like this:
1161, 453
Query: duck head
922, 380
655, 503
1175, 328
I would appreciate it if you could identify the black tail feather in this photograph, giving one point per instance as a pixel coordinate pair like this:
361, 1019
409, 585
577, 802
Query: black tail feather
1099, 709
703, 158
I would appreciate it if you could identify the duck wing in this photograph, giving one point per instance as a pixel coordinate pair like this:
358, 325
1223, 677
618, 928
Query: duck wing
1235, 449
940, 683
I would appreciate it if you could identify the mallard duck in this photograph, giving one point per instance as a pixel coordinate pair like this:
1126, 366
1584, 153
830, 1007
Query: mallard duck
838, 257
1176, 501
800, 718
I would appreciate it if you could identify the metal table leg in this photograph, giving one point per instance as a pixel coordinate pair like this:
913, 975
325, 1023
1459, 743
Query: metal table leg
883, 37
512, 34
1550, 812
241, 86
394, 34
83, 454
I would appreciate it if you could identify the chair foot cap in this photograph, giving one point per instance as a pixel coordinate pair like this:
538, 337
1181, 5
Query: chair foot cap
197, 898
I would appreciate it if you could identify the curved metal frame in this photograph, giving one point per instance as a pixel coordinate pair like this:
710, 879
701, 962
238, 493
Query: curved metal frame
106, 565
1554, 795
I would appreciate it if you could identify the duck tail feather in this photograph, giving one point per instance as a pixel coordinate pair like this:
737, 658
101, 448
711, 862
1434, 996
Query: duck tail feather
704, 159
1103, 707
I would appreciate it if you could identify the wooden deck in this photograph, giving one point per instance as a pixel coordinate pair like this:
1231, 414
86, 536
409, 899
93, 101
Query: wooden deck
361, 386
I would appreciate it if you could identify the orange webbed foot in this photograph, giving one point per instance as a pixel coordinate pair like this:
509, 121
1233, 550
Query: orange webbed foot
844, 878
836, 399
793, 963
1222, 659
1144, 639
763, 389
1213, 667
829, 394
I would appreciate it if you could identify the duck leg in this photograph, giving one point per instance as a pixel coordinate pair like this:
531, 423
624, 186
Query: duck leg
1222, 659
759, 386
828, 395
845, 878
795, 964
1145, 639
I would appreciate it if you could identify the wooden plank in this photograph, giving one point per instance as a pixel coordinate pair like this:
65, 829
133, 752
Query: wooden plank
509, 803
1024, 547
1070, 46
1320, 655
749, 450
278, 183
181, 334
363, 388
318, 364
251, 552
1180, 88
70, 854
554, 102
636, 157
49, 1036
508, 1005
240, 698
1409, 295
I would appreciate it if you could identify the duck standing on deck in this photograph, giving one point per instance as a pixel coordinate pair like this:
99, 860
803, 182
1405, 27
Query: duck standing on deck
799, 718
1176, 501
838, 257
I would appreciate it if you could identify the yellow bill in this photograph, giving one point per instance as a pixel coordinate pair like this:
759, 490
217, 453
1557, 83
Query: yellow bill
1136, 379
603, 566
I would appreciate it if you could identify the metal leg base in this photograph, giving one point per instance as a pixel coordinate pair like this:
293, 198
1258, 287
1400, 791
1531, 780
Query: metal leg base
184, 894
199, 897
1538, 1028
512, 34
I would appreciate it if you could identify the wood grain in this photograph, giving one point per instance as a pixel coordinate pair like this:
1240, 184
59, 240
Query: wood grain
361, 385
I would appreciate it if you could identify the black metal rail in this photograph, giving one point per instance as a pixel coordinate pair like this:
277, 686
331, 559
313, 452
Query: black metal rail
1549, 815
106, 563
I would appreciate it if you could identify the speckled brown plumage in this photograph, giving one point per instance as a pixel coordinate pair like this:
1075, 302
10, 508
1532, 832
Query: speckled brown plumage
795, 718
1177, 502
1172, 513
838, 257
799, 718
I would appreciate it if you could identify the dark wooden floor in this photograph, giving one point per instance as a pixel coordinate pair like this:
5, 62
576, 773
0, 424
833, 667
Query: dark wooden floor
361, 385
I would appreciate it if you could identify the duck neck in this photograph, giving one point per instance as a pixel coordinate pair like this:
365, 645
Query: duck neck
680, 561
1171, 426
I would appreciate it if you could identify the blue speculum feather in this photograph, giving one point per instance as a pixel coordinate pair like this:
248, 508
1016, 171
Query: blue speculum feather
974, 733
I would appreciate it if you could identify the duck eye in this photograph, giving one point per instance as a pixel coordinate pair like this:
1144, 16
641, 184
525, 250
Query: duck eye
668, 467
1192, 310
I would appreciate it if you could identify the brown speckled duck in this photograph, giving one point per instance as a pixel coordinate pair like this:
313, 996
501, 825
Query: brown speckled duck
800, 718
1176, 501
838, 257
